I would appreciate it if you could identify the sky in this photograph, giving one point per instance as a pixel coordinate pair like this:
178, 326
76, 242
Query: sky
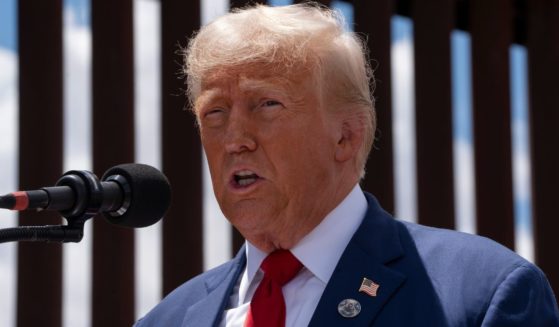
77, 144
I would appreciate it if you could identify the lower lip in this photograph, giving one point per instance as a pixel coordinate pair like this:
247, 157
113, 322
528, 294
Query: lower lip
244, 189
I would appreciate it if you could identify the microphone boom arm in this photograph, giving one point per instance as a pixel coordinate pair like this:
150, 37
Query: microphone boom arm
128, 195
83, 183
56, 233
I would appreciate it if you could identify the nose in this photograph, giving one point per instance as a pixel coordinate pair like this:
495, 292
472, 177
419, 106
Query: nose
240, 135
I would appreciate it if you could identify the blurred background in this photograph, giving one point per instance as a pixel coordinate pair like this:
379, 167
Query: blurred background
467, 102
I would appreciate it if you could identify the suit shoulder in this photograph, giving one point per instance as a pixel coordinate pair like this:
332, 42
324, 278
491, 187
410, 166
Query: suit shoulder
492, 281
431, 241
523, 298
200, 283
171, 310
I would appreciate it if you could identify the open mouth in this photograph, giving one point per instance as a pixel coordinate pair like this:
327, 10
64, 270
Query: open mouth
244, 178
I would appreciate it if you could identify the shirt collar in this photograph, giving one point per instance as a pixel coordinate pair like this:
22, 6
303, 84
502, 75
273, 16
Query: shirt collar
330, 237
255, 256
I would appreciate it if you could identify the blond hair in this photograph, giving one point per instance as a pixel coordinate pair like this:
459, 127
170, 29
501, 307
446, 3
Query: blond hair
301, 38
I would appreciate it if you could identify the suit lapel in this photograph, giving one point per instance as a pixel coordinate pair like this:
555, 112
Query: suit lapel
209, 311
375, 243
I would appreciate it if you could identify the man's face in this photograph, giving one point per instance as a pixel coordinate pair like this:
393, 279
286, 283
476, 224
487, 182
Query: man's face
271, 152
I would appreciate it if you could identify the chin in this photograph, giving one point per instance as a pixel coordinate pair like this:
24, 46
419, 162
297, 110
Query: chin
248, 222
245, 222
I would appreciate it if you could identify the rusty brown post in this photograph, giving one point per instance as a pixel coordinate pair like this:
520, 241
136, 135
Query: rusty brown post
113, 143
182, 153
543, 63
372, 18
39, 267
433, 112
492, 31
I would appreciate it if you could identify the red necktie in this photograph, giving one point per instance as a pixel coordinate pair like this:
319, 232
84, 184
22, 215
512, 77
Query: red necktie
267, 308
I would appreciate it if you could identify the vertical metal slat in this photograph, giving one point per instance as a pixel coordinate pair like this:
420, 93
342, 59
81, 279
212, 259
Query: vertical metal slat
39, 282
433, 113
182, 153
372, 18
113, 143
243, 3
543, 63
491, 28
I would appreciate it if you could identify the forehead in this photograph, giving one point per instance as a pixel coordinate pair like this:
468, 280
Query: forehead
224, 82
244, 83
253, 77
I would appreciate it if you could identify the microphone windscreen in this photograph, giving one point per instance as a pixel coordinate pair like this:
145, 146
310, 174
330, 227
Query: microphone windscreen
149, 198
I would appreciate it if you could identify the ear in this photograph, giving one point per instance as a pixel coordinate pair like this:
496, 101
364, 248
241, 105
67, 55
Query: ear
350, 139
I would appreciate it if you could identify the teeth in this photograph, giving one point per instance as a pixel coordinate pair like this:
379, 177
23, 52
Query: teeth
245, 177
243, 173
246, 181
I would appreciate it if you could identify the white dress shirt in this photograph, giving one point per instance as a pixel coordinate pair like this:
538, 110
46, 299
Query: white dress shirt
319, 252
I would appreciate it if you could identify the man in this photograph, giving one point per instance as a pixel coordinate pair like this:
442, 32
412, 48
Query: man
282, 98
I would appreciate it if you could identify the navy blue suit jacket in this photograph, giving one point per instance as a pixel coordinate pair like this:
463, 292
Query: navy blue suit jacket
427, 277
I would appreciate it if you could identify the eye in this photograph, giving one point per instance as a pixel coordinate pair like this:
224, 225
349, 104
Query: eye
212, 112
270, 103
212, 117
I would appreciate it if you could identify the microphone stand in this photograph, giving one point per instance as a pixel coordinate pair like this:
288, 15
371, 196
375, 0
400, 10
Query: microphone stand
73, 232
82, 182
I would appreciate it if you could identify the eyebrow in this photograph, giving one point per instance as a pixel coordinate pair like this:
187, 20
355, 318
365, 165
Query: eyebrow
246, 85
251, 85
281, 84
206, 96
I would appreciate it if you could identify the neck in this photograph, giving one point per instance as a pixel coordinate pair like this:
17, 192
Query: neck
288, 235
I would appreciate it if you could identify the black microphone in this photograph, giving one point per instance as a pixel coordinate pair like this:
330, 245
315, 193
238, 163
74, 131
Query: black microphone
131, 195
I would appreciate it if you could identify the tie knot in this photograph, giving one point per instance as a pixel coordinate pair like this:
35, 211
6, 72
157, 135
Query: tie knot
281, 266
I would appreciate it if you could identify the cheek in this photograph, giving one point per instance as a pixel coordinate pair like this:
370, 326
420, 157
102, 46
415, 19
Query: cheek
212, 152
304, 159
212, 142
312, 143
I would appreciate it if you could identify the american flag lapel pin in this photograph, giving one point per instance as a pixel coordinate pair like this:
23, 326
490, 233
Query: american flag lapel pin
369, 287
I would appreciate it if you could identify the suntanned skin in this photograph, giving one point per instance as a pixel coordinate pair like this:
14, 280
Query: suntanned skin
279, 130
